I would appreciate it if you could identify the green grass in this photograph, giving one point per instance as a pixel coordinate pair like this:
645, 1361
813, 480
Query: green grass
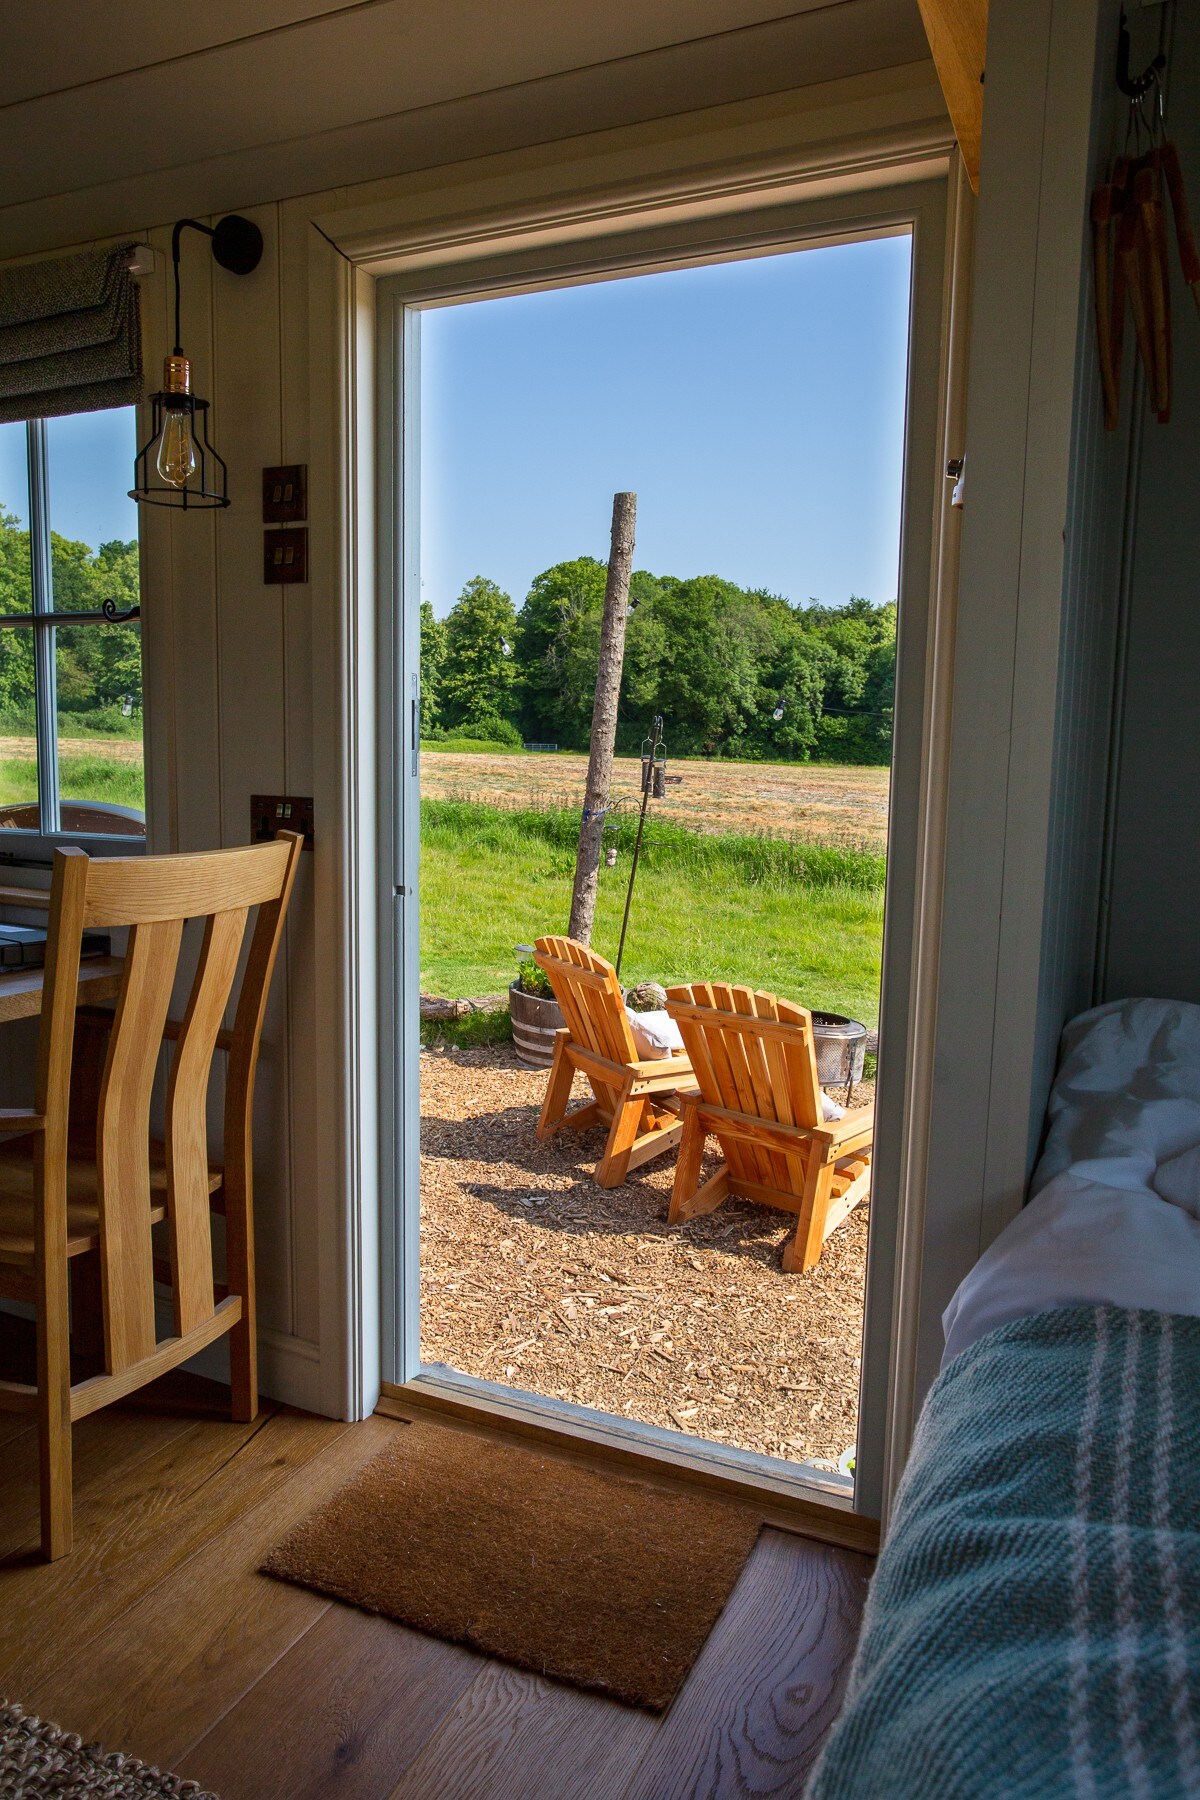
79, 778
800, 919
473, 747
474, 1032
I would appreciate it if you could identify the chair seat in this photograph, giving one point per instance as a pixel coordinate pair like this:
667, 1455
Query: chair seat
83, 1218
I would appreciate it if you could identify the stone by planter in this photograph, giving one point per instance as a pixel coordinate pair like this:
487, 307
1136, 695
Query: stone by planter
534, 1022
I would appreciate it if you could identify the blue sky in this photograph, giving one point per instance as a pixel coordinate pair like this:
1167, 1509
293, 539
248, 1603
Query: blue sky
755, 407
91, 470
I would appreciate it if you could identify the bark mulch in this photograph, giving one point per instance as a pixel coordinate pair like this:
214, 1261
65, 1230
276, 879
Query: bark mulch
534, 1276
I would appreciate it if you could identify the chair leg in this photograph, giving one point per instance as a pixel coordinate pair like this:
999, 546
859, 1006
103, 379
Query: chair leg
803, 1250
52, 1301
239, 1264
613, 1166
558, 1090
687, 1169
54, 1417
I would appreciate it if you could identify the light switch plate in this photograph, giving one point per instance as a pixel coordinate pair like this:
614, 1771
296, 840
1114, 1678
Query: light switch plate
285, 494
272, 813
285, 555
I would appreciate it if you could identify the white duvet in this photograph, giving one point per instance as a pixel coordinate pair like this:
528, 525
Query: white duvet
1114, 1209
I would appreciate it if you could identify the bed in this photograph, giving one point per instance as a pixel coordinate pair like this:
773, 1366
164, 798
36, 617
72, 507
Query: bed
1033, 1627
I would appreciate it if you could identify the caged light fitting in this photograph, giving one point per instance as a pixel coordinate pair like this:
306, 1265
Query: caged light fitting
178, 465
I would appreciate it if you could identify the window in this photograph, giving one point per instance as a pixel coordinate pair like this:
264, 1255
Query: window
71, 760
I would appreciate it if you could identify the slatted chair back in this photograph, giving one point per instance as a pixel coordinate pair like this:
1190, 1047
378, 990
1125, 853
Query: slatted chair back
587, 990
153, 898
752, 1053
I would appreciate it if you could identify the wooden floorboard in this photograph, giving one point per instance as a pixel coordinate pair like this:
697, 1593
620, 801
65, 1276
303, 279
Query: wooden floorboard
522, 1738
344, 1712
159, 1637
135, 1530
166, 1670
768, 1683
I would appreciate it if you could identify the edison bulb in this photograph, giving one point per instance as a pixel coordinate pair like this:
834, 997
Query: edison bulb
177, 449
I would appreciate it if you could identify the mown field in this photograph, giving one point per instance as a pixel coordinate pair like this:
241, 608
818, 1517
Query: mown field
800, 918
823, 803
89, 768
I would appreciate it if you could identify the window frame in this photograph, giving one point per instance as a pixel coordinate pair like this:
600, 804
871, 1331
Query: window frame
35, 849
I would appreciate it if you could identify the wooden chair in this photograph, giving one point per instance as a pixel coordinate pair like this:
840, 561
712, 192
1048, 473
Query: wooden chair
60, 1209
760, 1097
635, 1098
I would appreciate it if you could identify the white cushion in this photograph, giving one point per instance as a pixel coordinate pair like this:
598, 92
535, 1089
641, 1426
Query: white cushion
655, 1034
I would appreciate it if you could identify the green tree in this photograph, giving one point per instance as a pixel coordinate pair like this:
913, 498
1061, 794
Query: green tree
433, 655
558, 643
16, 647
479, 672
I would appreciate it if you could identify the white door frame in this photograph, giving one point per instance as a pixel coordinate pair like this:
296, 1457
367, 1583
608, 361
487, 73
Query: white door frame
466, 265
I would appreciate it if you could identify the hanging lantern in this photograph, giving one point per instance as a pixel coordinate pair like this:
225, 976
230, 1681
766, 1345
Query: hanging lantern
178, 465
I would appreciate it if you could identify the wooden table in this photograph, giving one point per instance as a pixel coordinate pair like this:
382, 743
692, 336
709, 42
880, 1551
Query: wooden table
21, 989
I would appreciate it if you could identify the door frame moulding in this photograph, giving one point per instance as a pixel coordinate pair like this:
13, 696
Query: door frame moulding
578, 238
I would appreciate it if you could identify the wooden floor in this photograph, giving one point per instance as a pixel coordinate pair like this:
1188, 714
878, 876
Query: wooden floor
158, 1637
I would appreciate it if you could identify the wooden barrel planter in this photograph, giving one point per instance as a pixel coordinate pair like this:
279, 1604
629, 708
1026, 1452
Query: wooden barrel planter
534, 1023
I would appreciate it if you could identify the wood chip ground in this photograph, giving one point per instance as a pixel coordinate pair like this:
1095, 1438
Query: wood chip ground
533, 1276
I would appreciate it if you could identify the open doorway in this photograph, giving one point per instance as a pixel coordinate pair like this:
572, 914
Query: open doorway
757, 406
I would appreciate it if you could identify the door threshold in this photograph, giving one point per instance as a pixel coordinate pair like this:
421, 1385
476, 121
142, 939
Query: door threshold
818, 1503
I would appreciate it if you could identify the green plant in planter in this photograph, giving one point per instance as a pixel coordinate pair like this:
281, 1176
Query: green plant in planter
533, 980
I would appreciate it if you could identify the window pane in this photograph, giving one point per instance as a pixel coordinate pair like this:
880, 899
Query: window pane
94, 553
18, 741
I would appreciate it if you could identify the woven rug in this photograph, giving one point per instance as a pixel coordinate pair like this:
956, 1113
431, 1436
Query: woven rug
608, 1582
38, 1761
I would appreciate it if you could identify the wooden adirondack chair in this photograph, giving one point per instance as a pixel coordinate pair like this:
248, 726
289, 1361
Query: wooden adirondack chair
759, 1095
636, 1098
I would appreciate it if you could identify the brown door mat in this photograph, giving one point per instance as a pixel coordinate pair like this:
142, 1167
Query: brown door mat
602, 1580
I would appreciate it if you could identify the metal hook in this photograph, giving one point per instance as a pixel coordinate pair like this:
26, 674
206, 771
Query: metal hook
1135, 87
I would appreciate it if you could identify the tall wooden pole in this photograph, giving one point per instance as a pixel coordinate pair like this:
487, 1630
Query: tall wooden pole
604, 718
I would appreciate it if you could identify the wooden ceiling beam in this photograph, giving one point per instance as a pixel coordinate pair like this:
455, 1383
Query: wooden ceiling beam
957, 33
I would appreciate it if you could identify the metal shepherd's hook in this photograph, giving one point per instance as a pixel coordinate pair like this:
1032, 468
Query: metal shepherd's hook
653, 780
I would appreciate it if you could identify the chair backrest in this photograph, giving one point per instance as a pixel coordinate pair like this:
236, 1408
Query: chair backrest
154, 896
750, 1052
587, 990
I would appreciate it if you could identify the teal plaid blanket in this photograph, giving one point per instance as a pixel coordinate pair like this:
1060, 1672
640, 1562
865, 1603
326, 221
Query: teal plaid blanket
1033, 1627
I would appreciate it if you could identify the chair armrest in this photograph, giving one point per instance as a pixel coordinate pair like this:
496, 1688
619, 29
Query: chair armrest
16, 1118
851, 1124
678, 1068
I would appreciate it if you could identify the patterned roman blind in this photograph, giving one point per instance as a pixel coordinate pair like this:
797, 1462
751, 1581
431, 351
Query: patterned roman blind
70, 335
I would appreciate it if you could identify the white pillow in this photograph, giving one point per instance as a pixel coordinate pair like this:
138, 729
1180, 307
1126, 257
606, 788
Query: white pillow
655, 1034
1178, 1180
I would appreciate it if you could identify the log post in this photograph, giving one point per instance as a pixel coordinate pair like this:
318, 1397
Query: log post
604, 718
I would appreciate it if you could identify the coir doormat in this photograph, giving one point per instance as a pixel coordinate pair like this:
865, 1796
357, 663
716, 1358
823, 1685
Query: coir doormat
605, 1581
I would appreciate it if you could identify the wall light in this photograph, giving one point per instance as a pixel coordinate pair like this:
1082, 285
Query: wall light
178, 465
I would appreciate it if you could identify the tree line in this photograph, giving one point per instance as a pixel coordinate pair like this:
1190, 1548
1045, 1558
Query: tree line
99, 667
735, 672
